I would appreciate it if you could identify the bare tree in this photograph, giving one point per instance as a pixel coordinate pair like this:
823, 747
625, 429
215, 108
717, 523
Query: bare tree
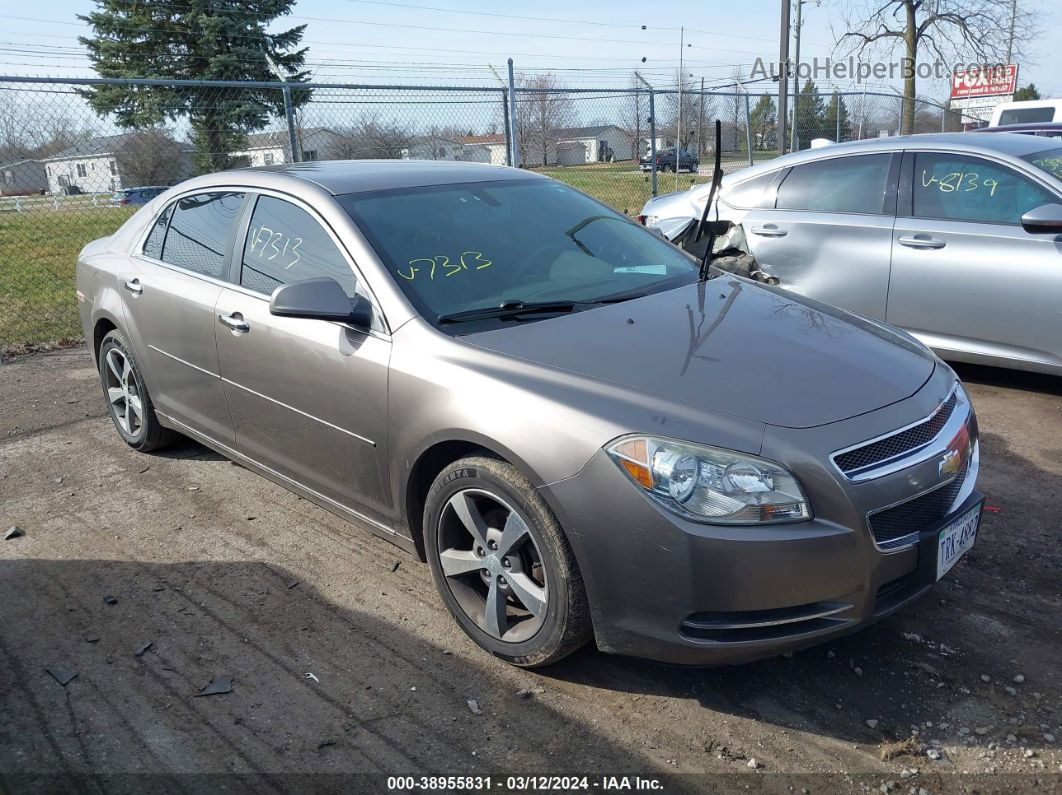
373, 137
951, 31
151, 157
29, 130
636, 115
690, 112
541, 114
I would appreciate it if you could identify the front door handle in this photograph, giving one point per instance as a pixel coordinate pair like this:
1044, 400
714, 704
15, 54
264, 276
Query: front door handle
769, 230
133, 286
235, 322
920, 241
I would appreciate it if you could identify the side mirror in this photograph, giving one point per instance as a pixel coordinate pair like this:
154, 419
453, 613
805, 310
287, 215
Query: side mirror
1045, 219
320, 299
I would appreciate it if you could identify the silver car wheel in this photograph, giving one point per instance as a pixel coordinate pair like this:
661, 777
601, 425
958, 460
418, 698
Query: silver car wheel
492, 565
123, 392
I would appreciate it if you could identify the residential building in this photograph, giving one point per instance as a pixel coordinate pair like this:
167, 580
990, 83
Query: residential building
23, 178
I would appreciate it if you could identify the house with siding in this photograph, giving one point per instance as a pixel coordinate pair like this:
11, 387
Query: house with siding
23, 178
316, 143
436, 147
92, 166
566, 146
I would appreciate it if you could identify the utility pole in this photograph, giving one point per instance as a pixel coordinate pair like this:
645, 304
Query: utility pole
1010, 38
795, 145
678, 125
783, 77
652, 129
505, 117
514, 128
700, 125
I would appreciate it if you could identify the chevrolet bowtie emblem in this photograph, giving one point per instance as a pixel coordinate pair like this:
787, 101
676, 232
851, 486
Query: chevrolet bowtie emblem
949, 463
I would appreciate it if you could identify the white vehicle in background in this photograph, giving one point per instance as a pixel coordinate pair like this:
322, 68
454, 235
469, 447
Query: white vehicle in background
1028, 112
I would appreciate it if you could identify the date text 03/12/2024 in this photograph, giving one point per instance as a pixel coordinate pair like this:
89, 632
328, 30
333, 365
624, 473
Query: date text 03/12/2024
523, 783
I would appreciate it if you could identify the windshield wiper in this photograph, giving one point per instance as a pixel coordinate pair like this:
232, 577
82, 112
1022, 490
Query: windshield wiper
509, 309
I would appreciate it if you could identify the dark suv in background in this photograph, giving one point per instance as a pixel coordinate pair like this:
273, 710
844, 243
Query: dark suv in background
665, 161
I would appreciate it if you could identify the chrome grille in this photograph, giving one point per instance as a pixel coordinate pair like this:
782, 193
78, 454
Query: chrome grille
899, 444
900, 525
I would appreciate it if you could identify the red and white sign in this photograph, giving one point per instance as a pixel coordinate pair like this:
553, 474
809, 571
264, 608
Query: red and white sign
984, 81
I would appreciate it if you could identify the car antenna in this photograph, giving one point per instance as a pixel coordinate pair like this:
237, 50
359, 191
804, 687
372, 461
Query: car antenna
717, 175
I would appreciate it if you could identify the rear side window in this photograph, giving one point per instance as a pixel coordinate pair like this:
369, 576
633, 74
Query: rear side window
1026, 115
753, 193
964, 188
153, 243
286, 244
202, 228
839, 185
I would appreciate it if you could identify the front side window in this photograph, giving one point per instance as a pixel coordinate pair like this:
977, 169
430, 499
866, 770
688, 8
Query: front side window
153, 242
965, 188
1049, 161
286, 244
752, 193
838, 185
453, 248
202, 228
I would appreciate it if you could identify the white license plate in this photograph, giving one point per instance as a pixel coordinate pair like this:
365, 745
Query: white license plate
955, 539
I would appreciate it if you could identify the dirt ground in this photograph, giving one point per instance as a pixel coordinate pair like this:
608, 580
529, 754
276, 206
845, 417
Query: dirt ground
345, 665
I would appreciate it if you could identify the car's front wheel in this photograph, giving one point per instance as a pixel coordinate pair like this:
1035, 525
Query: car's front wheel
127, 398
502, 564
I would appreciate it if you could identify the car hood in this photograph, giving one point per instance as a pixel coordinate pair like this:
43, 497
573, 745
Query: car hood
729, 345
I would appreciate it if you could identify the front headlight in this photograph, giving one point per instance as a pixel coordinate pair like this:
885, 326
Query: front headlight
708, 484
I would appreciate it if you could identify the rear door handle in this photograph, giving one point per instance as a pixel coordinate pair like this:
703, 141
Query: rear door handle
770, 230
133, 286
920, 241
235, 322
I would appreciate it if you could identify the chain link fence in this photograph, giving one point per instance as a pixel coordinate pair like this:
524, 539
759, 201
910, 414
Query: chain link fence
77, 157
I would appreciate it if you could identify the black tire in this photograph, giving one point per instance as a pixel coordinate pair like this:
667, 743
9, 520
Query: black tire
565, 625
149, 434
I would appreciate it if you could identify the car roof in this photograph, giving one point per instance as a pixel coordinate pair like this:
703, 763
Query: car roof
356, 176
1031, 126
1014, 145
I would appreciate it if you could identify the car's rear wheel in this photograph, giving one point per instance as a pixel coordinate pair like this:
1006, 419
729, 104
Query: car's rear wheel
502, 564
128, 401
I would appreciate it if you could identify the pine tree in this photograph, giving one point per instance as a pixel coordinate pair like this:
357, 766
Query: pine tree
193, 40
830, 126
763, 117
1026, 93
810, 115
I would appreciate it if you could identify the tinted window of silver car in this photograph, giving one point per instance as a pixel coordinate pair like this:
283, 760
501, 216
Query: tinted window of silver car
838, 185
153, 242
202, 231
964, 188
286, 244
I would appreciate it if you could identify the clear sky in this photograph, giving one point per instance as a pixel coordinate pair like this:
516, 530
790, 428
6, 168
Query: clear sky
593, 42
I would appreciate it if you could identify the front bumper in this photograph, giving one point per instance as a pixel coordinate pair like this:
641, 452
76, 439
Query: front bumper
667, 589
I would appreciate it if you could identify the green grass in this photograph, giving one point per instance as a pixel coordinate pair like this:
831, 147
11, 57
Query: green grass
38, 251
623, 187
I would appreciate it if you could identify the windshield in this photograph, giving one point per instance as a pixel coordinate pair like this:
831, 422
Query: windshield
454, 248
1049, 160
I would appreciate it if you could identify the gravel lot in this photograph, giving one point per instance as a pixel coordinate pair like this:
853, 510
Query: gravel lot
343, 660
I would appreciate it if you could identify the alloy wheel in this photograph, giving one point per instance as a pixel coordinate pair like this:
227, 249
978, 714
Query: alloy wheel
123, 392
492, 565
